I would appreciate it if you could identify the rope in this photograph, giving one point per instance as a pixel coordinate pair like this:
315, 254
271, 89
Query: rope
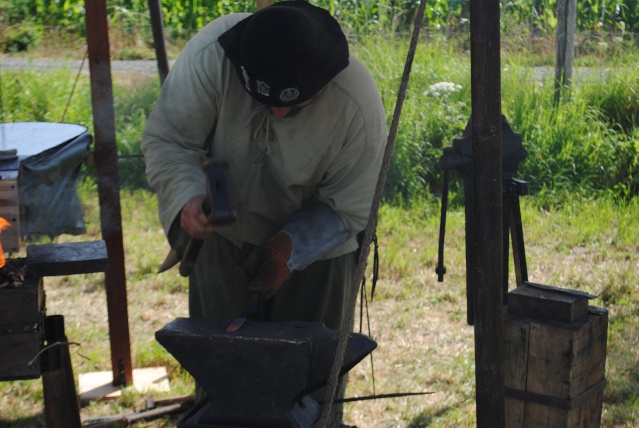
75, 82
53, 345
324, 419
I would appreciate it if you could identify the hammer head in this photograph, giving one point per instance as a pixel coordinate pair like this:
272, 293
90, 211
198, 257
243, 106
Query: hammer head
219, 209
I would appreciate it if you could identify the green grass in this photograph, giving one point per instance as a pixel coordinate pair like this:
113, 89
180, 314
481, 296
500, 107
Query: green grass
579, 223
420, 324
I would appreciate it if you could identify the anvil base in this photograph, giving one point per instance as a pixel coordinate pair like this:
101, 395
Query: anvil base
303, 413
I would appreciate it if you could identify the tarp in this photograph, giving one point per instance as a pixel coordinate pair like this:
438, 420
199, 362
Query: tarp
48, 157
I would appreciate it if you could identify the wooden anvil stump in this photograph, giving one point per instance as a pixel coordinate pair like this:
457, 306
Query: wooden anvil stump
554, 358
260, 375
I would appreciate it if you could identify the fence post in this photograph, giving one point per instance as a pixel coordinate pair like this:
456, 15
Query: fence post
106, 160
155, 8
566, 23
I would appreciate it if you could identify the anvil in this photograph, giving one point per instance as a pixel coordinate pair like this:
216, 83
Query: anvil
260, 375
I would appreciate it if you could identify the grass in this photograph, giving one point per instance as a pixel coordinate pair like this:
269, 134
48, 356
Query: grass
419, 324
577, 236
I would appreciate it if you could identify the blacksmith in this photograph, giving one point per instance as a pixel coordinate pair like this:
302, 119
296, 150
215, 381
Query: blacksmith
301, 124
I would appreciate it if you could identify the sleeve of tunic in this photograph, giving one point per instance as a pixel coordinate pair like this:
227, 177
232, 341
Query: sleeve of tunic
177, 133
350, 181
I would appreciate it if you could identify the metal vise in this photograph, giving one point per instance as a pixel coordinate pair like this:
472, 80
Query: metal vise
259, 376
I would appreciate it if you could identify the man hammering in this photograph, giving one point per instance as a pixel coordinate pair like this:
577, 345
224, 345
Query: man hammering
300, 125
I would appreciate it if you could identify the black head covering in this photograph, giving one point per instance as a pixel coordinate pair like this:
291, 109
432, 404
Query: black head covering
285, 53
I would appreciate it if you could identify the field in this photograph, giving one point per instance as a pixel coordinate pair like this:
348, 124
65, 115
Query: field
580, 225
419, 324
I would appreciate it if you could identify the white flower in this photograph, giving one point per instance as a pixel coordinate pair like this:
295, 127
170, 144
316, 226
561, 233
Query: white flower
442, 89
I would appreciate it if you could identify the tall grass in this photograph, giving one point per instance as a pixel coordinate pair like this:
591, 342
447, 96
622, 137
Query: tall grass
586, 145
598, 15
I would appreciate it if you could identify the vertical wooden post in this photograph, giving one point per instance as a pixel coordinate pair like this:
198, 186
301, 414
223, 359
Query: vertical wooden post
106, 161
157, 25
487, 210
58, 384
566, 24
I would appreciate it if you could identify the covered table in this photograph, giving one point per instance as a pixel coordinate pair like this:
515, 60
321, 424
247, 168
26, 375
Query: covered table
39, 167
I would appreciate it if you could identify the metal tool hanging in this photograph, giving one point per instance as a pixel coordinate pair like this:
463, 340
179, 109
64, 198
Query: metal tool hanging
459, 158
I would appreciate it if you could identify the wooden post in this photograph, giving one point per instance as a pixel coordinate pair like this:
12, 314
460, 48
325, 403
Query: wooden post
58, 384
157, 24
106, 161
487, 209
566, 23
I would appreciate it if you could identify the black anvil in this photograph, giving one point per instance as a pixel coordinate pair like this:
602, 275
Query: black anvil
260, 375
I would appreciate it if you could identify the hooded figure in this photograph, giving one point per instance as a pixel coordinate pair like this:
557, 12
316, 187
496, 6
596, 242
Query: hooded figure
300, 124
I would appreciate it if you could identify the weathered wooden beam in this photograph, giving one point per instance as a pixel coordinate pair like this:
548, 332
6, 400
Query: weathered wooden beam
106, 160
157, 25
60, 398
67, 259
487, 209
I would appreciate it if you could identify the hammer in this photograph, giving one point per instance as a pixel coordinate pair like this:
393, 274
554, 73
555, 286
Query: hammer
218, 210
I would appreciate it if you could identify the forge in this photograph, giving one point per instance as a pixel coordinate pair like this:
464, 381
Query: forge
260, 375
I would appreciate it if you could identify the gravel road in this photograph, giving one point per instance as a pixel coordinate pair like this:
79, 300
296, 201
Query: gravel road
136, 66
150, 67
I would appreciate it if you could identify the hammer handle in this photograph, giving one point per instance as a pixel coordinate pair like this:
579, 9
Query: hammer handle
217, 208
192, 248
191, 252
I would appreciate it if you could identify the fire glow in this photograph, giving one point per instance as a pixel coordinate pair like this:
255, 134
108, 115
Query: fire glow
12, 271
3, 225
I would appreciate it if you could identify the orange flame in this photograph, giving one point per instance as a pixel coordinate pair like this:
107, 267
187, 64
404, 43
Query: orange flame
3, 225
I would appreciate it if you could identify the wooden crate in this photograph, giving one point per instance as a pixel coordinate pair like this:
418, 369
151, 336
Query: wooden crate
554, 371
22, 315
10, 238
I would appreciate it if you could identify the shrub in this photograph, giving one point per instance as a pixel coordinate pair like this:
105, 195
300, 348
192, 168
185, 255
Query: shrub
20, 38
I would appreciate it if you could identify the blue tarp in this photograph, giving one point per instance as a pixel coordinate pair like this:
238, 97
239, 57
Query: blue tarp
48, 157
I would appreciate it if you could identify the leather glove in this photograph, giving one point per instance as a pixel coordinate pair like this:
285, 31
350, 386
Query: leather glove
310, 233
266, 267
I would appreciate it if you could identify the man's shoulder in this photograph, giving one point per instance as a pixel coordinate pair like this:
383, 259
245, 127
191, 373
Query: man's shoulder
225, 22
213, 30
357, 83
356, 76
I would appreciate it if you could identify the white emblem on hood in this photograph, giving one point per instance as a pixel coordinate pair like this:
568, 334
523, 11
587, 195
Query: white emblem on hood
263, 88
247, 81
289, 94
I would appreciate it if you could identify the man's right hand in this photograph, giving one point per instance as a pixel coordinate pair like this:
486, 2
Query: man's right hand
194, 221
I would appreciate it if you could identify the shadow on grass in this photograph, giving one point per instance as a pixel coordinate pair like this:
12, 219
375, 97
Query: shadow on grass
425, 418
35, 421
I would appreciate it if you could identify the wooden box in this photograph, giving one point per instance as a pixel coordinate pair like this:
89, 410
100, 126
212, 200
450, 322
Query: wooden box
554, 372
11, 237
22, 312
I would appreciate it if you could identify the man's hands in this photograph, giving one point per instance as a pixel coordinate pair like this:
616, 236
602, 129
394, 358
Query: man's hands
194, 221
265, 268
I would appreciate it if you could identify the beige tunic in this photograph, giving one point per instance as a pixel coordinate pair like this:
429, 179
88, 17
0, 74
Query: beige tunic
330, 151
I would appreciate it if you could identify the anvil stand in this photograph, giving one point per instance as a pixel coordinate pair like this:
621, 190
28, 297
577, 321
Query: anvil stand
459, 158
